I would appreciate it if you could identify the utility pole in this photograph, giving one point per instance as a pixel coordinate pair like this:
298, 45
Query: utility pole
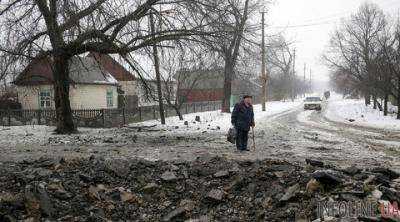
157, 70
263, 65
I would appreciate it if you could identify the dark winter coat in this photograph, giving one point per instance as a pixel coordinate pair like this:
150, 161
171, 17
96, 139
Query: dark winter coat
242, 116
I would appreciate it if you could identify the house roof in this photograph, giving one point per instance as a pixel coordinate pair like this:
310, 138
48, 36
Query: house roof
82, 70
113, 67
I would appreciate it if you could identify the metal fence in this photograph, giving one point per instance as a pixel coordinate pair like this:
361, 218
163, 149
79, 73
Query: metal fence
97, 118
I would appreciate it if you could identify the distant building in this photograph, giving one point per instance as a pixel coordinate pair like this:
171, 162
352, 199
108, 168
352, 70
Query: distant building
207, 85
91, 87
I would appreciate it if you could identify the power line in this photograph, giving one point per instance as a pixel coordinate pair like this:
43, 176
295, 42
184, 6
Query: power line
329, 19
302, 25
349, 12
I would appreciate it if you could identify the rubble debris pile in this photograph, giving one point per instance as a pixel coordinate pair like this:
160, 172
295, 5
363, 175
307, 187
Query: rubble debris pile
208, 189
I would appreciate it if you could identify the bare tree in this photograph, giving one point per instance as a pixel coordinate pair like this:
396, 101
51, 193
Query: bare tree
181, 70
365, 51
280, 61
384, 69
7, 67
354, 48
63, 29
396, 64
342, 83
176, 62
389, 63
233, 22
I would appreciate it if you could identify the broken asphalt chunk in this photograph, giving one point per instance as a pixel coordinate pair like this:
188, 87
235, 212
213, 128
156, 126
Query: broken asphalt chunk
315, 163
216, 195
327, 177
290, 193
222, 173
36, 198
169, 176
387, 172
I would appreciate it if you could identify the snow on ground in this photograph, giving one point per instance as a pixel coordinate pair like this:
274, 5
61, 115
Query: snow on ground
309, 118
387, 143
304, 117
345, 111
38, 134
211, 122
215, 120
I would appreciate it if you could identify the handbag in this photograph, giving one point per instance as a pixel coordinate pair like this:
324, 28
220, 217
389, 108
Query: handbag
231, 137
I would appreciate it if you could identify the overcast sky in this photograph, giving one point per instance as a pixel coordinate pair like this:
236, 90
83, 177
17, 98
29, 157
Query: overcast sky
309, 24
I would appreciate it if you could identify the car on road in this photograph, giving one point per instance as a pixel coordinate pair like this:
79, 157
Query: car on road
313, 103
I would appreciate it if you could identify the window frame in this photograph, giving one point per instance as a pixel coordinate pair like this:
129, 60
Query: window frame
45, 101
110, 98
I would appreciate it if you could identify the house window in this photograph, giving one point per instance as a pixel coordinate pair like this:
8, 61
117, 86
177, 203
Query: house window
45, 99
110, 98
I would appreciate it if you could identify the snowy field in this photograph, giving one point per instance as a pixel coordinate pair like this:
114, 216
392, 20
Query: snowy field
354, 112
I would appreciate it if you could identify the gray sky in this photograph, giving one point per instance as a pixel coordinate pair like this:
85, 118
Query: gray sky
309, 24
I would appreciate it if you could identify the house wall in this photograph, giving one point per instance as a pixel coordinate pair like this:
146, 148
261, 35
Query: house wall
195, 95
129, 87
81, 96
92, 96
201, 80
28, 96
207, 85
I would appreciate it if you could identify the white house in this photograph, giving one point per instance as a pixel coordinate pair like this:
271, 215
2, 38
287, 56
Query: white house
92, 87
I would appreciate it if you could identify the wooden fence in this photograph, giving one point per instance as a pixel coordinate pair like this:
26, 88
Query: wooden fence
98, 118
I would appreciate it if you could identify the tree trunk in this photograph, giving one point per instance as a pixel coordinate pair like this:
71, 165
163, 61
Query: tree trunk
379, 106
398, 98
178, 112
385, 104
65, 123
158, 74
367, 99
177, 107
228, 76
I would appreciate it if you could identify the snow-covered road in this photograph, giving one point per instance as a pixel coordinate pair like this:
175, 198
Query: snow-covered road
285, 131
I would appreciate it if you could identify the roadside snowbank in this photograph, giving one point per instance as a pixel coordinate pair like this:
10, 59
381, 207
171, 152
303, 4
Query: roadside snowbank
354, 112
